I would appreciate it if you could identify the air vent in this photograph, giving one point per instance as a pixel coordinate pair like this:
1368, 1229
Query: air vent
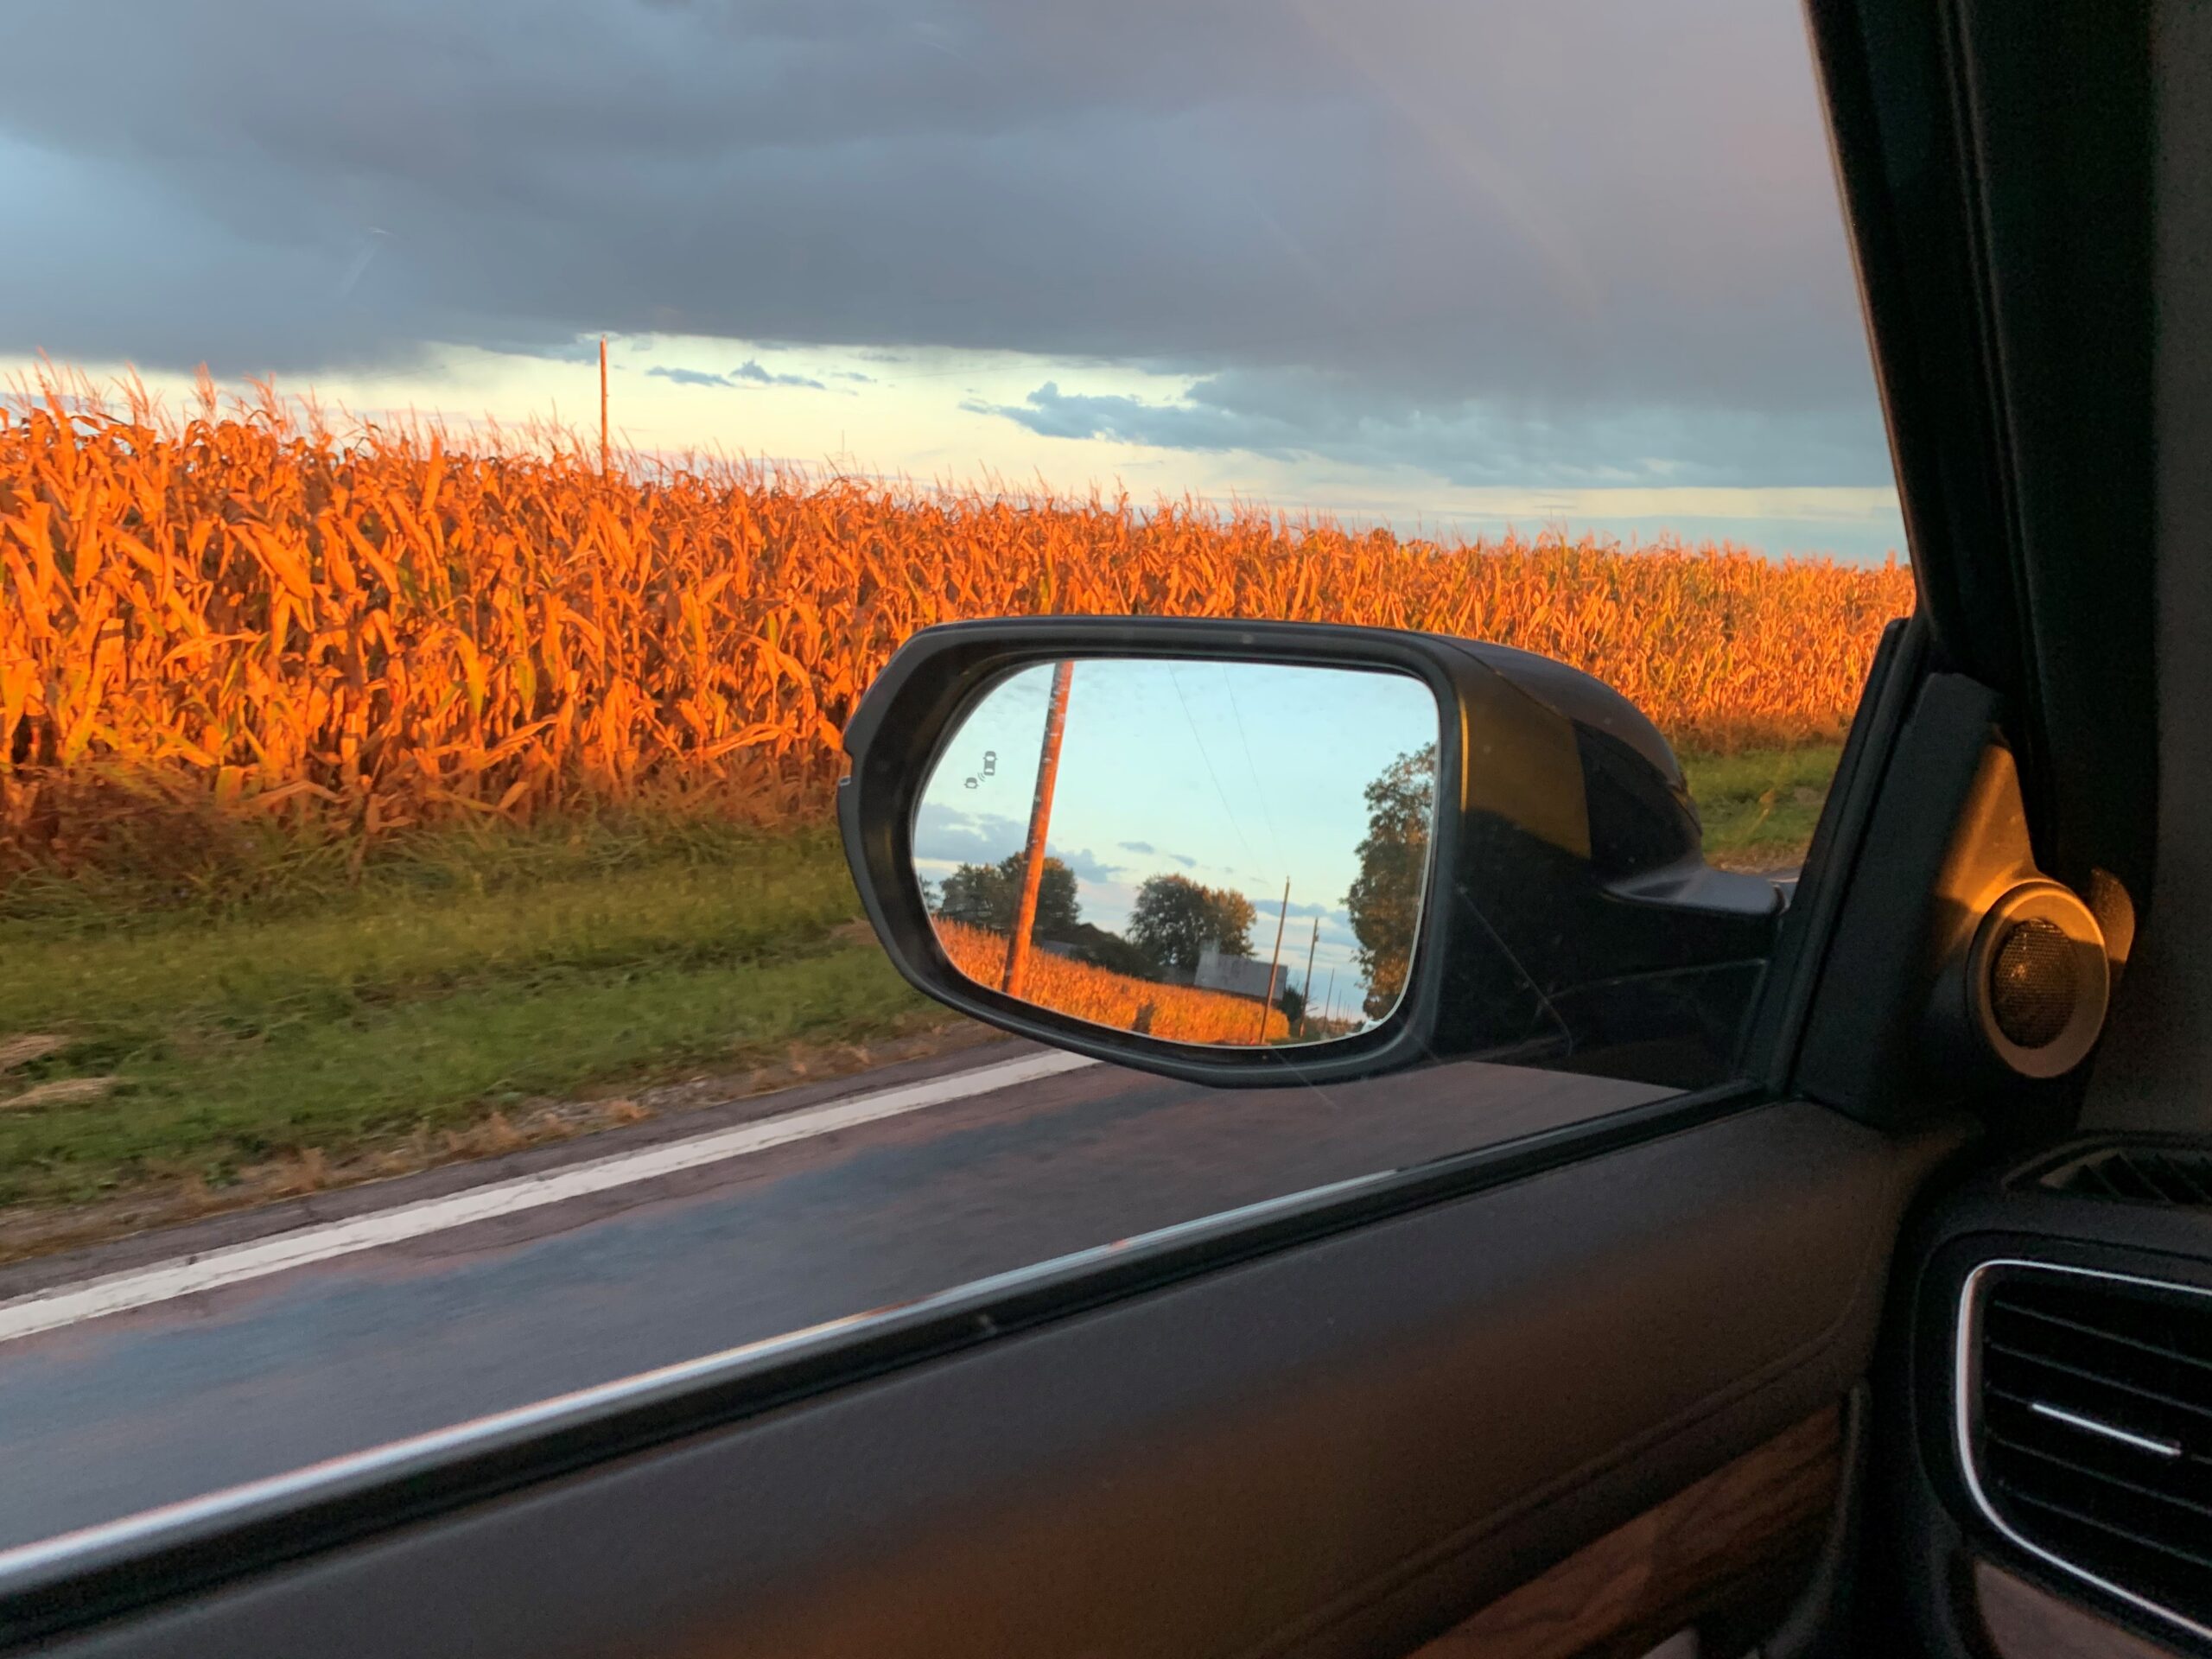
2088, 1427
2138, 1175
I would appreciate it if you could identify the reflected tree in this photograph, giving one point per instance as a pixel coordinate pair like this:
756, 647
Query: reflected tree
987, 895
1385, 897
1175, 918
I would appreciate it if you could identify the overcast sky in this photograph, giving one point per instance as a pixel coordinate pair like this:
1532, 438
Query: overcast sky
1450, 263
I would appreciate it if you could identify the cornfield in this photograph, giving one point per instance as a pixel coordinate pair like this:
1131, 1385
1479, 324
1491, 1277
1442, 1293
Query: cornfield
1180, 1013
245, 615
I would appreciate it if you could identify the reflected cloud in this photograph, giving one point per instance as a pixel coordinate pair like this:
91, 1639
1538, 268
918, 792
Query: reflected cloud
1086, 864
1148, 850
947, 835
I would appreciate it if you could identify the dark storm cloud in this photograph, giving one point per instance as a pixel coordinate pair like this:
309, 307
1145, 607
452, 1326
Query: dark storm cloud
687, 377
748, 372
753, 373
1386, 218
1286, 414
1187, 425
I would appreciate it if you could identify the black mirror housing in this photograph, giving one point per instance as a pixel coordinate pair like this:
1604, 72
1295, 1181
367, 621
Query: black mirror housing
1571, 920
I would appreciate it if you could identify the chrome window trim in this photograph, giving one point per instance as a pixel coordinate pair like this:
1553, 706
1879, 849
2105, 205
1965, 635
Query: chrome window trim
22, 1564
1964, 1380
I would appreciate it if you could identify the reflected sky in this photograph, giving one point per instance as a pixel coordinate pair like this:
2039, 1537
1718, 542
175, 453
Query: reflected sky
1238, 775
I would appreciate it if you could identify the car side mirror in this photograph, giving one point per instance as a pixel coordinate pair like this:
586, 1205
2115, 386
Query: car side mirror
1245, 852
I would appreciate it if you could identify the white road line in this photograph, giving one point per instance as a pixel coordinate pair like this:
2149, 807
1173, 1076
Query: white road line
60, 1305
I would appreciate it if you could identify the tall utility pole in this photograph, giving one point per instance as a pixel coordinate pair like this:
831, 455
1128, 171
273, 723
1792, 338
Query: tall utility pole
1267, 1001
1040, 822
602, 405
1306, 1002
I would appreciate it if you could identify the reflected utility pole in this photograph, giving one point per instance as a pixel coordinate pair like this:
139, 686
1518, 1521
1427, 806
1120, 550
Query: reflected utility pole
1306, 1002
1267, 1001
1329, 997
602, 405
1040, 823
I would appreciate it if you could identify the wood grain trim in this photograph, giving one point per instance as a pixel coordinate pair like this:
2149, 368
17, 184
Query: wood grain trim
1691, 1555
2024, 1621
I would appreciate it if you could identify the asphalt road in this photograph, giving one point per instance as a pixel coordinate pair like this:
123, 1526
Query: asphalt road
117, 1413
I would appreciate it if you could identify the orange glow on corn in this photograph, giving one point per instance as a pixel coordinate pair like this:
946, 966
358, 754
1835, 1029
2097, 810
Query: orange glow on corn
245, 613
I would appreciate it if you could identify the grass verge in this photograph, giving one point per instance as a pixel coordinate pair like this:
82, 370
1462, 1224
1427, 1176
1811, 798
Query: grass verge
466, 979
1759, 806
462, 975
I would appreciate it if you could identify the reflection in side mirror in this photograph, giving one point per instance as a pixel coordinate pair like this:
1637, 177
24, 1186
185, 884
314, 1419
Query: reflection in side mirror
1203, 852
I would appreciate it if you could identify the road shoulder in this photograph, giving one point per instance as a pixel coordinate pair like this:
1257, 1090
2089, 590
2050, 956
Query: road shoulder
42, 1248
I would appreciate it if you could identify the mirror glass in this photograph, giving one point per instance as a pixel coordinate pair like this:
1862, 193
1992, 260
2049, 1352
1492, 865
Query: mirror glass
1206, 852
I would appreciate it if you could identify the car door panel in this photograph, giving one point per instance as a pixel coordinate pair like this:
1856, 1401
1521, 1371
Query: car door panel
1735, 1542
1344, 1446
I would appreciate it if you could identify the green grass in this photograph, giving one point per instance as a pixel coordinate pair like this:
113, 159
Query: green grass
460, 975
1759, 807
305, 1006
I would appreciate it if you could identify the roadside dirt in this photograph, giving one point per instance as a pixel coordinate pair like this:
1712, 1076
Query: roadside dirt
1760, 860
28, 1231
